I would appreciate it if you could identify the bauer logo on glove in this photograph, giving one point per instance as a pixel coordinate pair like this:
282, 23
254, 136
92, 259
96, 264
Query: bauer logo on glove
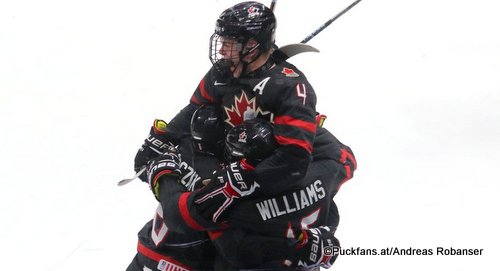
232, 184
166, 164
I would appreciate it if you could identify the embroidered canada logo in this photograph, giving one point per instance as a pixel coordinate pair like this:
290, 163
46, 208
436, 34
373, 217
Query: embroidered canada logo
242, 137
242, 108
289, 72
253, 11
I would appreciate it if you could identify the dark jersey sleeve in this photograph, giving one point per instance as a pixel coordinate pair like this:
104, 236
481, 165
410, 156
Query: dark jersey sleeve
240, 248
179, 211
175, 193
328, 147
265, 229
170, 193
293, 102
260, 229
205, 93
178, 128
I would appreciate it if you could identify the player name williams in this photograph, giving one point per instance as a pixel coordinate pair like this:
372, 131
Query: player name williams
291, 202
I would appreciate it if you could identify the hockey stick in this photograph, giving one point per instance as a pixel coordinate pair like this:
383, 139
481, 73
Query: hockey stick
287, 51
273, 3
126, 181
325, 25
282, 54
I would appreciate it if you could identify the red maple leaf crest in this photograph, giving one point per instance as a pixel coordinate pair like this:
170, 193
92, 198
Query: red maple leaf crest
289, 72
236, 112
253, 11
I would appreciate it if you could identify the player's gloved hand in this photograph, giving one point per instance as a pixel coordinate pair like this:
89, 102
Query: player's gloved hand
154, 145
167, 163
236, 181
317, 247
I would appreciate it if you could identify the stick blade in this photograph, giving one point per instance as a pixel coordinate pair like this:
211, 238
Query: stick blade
124, 182
285, 52
128, 180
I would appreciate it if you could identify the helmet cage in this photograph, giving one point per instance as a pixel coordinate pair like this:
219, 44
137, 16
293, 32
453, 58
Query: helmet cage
222, 64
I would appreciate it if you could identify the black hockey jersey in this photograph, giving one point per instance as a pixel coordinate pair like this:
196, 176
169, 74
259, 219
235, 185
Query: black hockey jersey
160, 248
269, 223
281, 95
289, 199
265, 225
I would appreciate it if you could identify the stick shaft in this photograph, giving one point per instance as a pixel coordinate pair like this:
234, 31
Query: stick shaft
273, 4
325, 25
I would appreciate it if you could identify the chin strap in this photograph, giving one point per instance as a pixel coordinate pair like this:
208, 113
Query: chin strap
267, 66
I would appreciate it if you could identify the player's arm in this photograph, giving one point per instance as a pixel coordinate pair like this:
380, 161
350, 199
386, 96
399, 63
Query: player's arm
294, 130
202, 209
164, 175
204, 94
206, 207
162, 135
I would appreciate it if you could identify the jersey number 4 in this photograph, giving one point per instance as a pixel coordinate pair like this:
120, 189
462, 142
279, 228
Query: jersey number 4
301, 92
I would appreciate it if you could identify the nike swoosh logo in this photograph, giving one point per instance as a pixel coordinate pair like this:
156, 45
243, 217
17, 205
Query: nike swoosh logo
219, 84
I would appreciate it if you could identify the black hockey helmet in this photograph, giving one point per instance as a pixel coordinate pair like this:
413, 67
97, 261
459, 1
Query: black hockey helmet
253, 139
242, 22
207, 130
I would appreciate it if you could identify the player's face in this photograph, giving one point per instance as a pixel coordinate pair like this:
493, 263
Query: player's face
230, 49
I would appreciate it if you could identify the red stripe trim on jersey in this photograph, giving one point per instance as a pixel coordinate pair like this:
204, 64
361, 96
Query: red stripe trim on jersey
351, 158
348, 173
245, 165
155, 256
283, 140
214, 234
183, 208
345, 155
204, 92
287, 120
161, 173
195, 100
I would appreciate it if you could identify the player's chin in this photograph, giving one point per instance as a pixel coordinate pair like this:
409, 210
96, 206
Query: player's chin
234, 66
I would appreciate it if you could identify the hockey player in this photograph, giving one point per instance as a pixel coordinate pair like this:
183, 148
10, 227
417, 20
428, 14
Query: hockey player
160, 247
247, 82
264, 230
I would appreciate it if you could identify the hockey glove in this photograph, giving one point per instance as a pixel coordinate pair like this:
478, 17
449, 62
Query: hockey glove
167, 163
238, 180
317, 247
154, 145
